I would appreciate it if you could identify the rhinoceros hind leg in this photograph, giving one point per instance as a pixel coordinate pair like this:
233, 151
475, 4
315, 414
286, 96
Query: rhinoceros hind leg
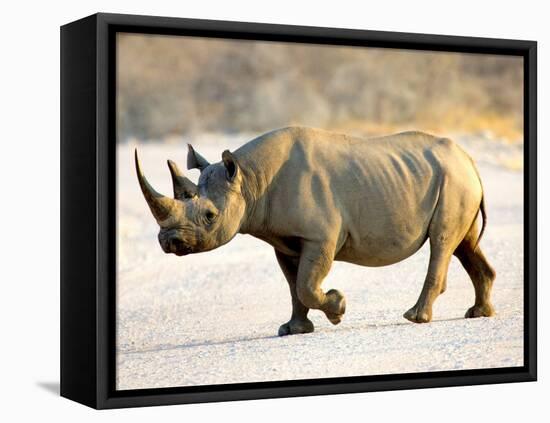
434, 283
486, 310
451, 226
481, 273
415, 316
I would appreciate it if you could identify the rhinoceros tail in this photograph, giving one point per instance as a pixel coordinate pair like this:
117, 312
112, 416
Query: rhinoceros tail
483, 219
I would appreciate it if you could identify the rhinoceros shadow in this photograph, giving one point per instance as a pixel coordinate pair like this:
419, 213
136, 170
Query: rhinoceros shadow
319, 331
206, 343
362, 326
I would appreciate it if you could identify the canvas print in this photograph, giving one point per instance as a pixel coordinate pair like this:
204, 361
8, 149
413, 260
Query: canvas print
297, 211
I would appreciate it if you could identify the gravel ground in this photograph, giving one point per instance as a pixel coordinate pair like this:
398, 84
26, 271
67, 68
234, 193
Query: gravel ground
212, 318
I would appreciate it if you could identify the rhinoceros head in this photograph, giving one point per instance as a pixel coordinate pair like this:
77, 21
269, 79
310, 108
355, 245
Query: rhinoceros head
198, 218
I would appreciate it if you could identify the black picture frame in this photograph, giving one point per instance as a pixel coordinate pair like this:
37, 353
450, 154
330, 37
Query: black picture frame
88, 277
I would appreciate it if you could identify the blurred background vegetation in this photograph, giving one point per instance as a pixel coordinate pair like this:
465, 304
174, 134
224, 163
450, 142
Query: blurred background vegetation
174, 86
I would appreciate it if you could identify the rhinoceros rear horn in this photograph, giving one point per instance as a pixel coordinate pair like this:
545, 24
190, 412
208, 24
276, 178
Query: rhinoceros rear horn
160, 205
183, 187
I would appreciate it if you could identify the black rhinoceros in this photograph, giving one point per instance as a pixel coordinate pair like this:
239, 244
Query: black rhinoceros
318, 196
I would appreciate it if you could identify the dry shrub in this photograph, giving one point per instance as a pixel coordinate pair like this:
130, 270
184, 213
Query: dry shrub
176, 85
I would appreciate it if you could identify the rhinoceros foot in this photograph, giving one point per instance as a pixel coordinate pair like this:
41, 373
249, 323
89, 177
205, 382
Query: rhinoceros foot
416, 315
293, 327
485, 310
337, 306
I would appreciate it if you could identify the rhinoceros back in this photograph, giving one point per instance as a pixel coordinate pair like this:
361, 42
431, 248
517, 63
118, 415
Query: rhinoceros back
379, 194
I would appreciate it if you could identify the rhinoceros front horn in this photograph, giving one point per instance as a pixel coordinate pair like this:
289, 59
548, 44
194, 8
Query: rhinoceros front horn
159, 204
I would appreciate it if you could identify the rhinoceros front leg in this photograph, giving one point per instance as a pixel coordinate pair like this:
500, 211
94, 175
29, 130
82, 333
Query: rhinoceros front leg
315, 262
298, 323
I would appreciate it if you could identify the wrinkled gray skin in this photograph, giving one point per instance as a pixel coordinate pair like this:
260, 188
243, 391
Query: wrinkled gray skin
318, 196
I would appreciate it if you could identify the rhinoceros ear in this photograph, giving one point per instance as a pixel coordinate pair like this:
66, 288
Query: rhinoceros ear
183, 187
231, 165
195, 160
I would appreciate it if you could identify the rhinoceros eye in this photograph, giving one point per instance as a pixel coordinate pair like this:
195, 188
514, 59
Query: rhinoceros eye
210, 216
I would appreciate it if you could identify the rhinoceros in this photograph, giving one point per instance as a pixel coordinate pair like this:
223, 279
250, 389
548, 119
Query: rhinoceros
316, 196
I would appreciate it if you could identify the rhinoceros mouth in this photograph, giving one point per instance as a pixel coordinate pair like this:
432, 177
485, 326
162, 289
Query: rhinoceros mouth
182, 251
176, 247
